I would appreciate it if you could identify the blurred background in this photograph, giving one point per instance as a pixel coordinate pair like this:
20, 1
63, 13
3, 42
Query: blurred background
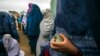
21, 5
18, 10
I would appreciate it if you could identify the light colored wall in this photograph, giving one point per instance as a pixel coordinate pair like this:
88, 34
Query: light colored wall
53, 6
20, 5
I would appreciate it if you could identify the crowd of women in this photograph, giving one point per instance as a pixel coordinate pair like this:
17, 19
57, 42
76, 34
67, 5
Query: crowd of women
73, 31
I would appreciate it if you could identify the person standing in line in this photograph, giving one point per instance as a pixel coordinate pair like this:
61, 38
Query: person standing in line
7, 26
46, 27
12, 46
34, 17
24, 19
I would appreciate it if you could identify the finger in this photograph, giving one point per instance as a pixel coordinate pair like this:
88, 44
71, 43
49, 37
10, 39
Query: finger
63, 37
58, 44
52, 40
56, 48
53, 46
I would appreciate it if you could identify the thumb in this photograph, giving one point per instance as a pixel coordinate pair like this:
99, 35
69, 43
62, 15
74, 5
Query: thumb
62, 36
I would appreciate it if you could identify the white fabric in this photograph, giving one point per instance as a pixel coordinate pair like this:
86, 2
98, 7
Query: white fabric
46, 27
24, 21
11, 45
48, 20
22, 53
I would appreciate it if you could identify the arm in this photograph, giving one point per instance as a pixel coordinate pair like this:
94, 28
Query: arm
65, 46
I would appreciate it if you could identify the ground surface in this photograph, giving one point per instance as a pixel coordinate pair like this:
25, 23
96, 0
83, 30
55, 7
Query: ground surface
24, 44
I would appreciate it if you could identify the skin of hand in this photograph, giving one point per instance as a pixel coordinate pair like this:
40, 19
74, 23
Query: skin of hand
65, 46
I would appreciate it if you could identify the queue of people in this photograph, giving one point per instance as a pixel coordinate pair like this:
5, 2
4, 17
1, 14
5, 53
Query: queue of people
9, 37
73, 31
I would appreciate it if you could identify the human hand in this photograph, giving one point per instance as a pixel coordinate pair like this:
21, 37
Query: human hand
65, 46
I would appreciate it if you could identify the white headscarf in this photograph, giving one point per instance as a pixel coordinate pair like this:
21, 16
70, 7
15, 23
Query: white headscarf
11, 45
48, 20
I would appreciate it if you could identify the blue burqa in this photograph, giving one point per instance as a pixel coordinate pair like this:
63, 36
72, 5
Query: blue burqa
34, 18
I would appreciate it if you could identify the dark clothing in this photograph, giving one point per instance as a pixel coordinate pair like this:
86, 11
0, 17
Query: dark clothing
7, 25
33, 42
2, 49
21, 18
45, 51
73, 20
94, 17
34, 18
33, 21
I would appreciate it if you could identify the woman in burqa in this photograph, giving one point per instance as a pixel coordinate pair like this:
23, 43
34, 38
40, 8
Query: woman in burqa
12, 46
34, 17
9, 46
46, 27
6, 26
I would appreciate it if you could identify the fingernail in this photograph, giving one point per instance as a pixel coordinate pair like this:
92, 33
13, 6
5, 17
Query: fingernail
60, 34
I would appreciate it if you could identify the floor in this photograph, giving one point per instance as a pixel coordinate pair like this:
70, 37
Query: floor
24, 44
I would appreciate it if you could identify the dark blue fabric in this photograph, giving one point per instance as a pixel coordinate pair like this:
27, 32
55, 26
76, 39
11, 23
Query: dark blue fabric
2, 49
33, 21
73, 20
1, 45
33, 42
7, 25
94, 18
74, 13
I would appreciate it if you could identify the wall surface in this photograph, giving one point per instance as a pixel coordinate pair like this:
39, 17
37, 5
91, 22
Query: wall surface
20, 5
